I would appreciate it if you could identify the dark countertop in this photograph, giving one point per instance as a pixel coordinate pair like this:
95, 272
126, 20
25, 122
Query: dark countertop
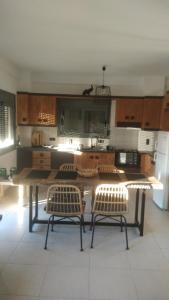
43, 148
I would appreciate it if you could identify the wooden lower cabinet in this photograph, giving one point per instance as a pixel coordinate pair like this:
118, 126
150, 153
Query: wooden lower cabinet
41, 160
89, 160
147, 165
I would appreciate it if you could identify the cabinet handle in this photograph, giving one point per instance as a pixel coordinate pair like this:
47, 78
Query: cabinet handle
167, 105
24, 119
126, 117
96, 157
147, 123
41, 154
39, 120
132, 117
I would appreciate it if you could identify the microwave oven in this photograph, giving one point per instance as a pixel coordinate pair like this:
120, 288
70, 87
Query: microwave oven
127, 158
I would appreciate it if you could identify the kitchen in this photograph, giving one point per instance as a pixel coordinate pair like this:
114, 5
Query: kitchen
130, 146
48, 49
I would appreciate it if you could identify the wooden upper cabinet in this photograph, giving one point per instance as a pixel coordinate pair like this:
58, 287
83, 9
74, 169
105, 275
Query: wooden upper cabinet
164, 123
151, 113
43, 110
129, 112
22, 109
36, 109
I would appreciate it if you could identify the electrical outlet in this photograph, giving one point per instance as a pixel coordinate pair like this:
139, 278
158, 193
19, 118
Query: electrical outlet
147, 141
52, 139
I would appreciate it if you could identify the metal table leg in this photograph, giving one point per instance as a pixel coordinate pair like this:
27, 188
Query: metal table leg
36, 201
30, 207
142, 212
137, 206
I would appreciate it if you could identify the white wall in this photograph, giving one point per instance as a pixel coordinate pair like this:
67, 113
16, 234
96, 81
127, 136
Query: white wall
50, 82
9, 76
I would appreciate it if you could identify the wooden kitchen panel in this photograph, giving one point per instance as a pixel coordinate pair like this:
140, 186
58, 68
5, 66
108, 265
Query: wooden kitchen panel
41, 160
41, 167
129, 112
152, 113
43, 110
147, 165
41, 154
164, 122
92, 159
22, 109
45, 161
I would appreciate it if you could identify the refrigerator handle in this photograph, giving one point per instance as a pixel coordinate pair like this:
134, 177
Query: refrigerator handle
155, 156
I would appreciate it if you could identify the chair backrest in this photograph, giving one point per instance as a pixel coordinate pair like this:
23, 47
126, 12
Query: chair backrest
64, 200
107, 169
68, 167
110, 199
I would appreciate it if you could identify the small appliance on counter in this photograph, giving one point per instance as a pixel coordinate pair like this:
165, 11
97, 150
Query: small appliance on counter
37, 138
127, 158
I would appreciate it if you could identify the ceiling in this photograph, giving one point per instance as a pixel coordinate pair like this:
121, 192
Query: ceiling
78, 37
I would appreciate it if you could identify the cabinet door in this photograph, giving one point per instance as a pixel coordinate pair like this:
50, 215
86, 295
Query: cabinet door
43, 110
22, 108
107, 158
91, 160
147, 164
164, 123
129, 112
151, 113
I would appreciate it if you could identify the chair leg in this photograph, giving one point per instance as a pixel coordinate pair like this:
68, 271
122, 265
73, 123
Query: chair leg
93, 227
52, 223
81, 238
125, 225
121, 223
83, 223
91, 222
46, 240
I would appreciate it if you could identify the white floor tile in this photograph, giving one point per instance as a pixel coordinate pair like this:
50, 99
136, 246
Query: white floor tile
109, 260
111, 284
17, 279
150, 260
6, 249
65, 282
7, 297
152, 285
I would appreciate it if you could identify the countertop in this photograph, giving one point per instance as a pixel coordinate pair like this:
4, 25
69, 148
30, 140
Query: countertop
46, 148
23, 178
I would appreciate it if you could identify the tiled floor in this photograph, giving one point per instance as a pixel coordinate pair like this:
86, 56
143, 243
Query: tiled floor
28, 272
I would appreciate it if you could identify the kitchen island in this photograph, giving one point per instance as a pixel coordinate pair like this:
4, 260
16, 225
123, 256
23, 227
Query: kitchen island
37, 178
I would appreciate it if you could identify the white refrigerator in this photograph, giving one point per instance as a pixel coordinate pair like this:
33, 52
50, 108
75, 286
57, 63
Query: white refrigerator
161, 197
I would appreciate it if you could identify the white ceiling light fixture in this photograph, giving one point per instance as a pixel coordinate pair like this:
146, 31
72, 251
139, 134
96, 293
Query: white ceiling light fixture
103, 90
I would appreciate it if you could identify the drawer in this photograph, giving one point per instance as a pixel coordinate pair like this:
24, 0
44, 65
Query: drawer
41, 161
41, 154
41, 167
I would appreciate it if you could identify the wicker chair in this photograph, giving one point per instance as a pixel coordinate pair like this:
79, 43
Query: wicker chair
65, 201
68, 167
111, 201
107, 169
71, 167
